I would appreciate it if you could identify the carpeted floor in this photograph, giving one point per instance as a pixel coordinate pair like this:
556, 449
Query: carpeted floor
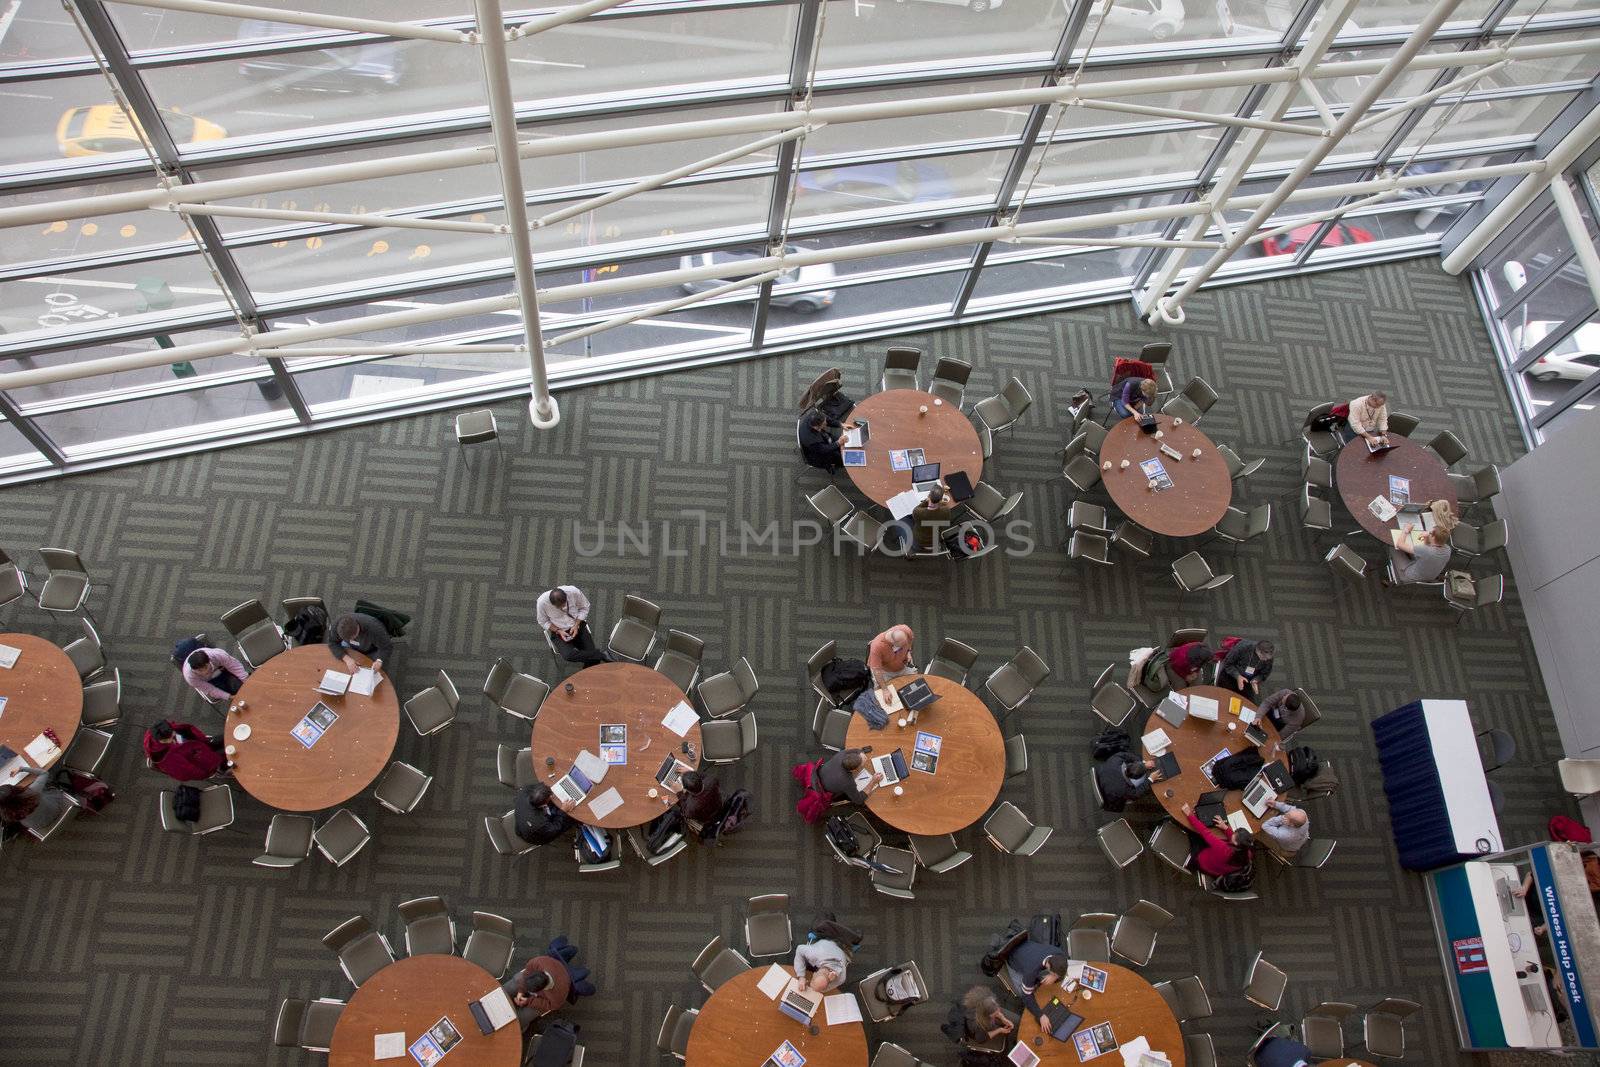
127, 946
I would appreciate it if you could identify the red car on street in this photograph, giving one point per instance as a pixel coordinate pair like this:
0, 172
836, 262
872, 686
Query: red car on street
1341, 234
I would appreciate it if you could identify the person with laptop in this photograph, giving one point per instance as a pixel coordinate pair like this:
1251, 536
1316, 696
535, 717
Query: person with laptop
1123, 777
838, 776
182, 751
1419, 559
1133, 397
1246, 665
1285, 710
889, 654
357, 632
1282, 1052
563, 612
701, 799
1033, 964
1287, 831
931, 518
821, 961
1369, 417
1218, 850
542, 987
213, 674
819, 440
540, 815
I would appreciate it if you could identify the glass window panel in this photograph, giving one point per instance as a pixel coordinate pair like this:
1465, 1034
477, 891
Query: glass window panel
1539, 10
1562, 297
51, 304
338, 261
65, 118
1573, 360
689, 47
1173, 155
151, 28
1569, 417
861, 305
39, 32
712, 209
354, 385
1520, 118
717, 324
1529, 254
920, 32
1392, 16
15, 451
97, 235
870, 189
167, 420
1143, 24
145, 377
1214, 101
1542, 70
885, 134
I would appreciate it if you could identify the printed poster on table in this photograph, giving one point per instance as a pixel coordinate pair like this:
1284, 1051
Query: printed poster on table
786, 1055
431, 1047
925, 757
316, 722
1093, 978
614, 743
1399, 490
1156, 473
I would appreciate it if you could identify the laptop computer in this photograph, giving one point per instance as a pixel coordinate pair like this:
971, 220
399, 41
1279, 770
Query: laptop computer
917, 695
1258, 794
1278, 775
1171, 710
1148, 423
334, 683
799, 1006
857, 435
892, 767
1210, 806
573, 786
1379, 449
925, 476
960, 487
1061, 1020
1168, 765
492, 1011
672, 770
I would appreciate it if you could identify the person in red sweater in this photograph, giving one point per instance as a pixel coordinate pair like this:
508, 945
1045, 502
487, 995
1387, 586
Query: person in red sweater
1218, 854
182, 751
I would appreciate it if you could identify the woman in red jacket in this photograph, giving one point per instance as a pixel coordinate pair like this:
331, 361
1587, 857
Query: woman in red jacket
182, 751
1214, 853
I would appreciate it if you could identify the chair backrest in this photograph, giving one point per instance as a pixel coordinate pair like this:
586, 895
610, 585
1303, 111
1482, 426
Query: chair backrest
902, 357
952, 370
712, 950
1016, 396
769, 902
745, 675
747, 732
62, 560
1150, 913
830, 503
241, 618
422, 907
1342, 557
686, 644
1155, 353
1395, 1006
1200, 393
958, 652
1493, 535
291, 1016
1487, 482
490, 923
642, 610
451, 695
494, 686
1192, 571
820, 659
1491, 589
1260, 519
345, 933
1074, 447
1032, 668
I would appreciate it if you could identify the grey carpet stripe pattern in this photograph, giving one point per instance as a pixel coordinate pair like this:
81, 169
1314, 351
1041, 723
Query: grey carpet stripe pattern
125, 945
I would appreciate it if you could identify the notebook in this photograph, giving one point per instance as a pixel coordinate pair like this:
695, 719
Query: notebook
842, 1008
606, 803
1210, 806
680, 718
774, 981
1168, 765
1156, 741
492, 1011
365, 682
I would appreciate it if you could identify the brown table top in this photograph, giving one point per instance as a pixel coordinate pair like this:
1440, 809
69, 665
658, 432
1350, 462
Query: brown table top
1195, 742
1361, 475
413, 994
945, 435
281, 772
740, 1027
42, 690
972, 762
1130, 1004
626, 694
1343, 1063
1200, 489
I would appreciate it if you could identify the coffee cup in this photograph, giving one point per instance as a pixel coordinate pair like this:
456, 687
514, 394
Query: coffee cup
1195, 453
899, 791
1106, 465
937, 402
654, 792
901, 722
1124, 465
1177, 421
1232, 726
1160, 434
231, 751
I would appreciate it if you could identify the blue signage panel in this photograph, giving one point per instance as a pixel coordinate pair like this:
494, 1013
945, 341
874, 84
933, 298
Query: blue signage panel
1561, 948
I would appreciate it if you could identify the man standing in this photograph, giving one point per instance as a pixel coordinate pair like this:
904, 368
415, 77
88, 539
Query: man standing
1246, 666
564, 613
889, 654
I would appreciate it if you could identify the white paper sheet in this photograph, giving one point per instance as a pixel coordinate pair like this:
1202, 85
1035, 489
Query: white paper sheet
41, 750
8, 656
842, 1008
774, 981
1383, 508
1022, 1055
389, 1046
1132, 1050
593, 767
1203, 707
606, 803
365, 682
902, 504
2, 705
680, 719
1156, 742
1238, 821
334, 682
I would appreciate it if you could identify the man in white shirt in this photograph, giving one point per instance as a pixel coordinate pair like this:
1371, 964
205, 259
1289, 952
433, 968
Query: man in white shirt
1369, 417
1289, 830
563, 612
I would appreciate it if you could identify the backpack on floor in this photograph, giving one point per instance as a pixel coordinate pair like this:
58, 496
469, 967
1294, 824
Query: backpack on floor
1303, 764
843, 838
1109, 742
736, 811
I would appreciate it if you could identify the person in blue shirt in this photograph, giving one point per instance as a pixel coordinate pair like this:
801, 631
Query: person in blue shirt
1282, 1052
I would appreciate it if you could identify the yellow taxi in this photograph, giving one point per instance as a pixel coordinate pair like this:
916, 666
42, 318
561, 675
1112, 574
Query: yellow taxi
103, 128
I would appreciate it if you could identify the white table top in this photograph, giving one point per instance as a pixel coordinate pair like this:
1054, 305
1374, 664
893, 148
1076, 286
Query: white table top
1466, 788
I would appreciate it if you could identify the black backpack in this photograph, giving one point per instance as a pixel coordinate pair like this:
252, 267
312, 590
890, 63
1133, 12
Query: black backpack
556, 1045
186, 803
1046, 929
309, 625
736, 811
1237, 770
1303, 764
843, 838
844, 679
1237, 881
1112, 740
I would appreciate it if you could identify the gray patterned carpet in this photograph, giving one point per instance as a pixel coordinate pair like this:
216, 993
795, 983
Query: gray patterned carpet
124, 945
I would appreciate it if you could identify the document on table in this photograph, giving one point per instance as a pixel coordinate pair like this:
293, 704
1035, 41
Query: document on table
1156, 742
1203, 707
389, 1046
774, 981
365, 682
1383, 508
1132, 1050
842, 1008
903, 504
41, 750
2, 705
8, 656
1238, 821
606, 803
680, 719
593, 767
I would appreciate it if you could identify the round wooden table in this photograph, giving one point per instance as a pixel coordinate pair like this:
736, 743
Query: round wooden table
1130, 1004
1195, 742
971, 768
42, 690
1343, 1063
1200, 489
740, 1027
612, 694
282, 773
945, 435
1362, 475
410, 996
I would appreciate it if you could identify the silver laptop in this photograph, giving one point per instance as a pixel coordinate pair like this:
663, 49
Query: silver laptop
799, 1006
925, 476
1259, 794
1172, 711
884, 765
573, 786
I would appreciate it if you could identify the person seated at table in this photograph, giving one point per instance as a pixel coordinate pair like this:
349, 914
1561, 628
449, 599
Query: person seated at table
563, 612
1369, 417
1176, 668
1416, 559
567, 953
1285, 710
1133, 396
1217, 850
821, 961
1123, 777
213, 674
182, 751
1282, 1052
1033, 964
35, 806
541, 816
889, 654
1287, 831
931, 518
357, 632
701, 797
838, 776
1444, 515
819, 440
542, 987
1246, 666
985, 1019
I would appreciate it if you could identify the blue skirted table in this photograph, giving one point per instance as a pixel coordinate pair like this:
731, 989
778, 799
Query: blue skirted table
1439, 806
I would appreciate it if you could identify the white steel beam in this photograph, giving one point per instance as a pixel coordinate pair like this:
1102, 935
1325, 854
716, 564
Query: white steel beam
295, 335
1577, 233
542, 407
1457, 85
337, 218
307, 18
561, 18
664, 308
1170, 308
1201, 116
325, 351
1112, 242
1559, 158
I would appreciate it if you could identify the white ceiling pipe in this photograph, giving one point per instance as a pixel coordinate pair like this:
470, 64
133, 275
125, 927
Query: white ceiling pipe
336, 218
307, 18
1577, 233
560, 18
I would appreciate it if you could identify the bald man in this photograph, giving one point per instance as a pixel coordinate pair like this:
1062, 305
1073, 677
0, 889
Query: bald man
889, 654
1287, 831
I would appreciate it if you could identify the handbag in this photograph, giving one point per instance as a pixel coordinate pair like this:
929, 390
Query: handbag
1460, 585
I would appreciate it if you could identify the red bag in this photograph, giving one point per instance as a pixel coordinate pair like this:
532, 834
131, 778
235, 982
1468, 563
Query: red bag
813, 807
1341, 412
1130, 368
1227, 646
1564, 828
